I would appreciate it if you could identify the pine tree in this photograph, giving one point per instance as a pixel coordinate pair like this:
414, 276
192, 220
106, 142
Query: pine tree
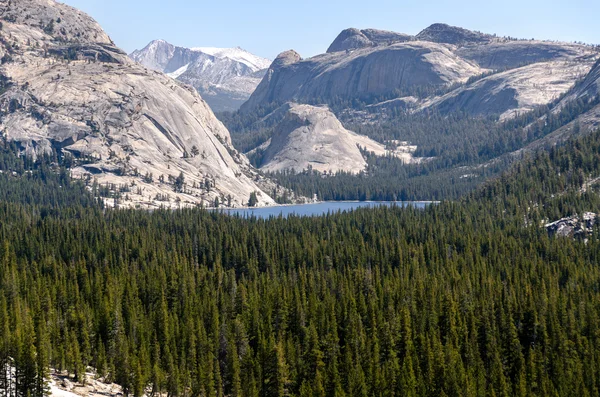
253, 200
179, 183
42, 388
5, 349
275, 375
26, 358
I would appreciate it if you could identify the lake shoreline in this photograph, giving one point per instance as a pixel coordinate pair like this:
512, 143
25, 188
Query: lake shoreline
320, 208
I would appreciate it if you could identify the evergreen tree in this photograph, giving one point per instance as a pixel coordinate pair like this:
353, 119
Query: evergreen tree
253, 200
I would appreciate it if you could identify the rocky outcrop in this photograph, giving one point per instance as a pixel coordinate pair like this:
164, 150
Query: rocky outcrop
138, 131
502, 54
361, 73
352, 39
515, 91
404, 103
225, 77
588, 88
62, 385
57, 22
443, 33
586, 93
311, 137
579, 227
366, 64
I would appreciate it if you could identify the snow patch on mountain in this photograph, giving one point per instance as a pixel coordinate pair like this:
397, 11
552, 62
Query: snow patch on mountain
179, 71
225, 77
237, 54
132, 130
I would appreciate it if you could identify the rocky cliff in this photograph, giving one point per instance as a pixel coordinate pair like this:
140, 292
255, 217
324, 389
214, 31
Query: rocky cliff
66, 87
578, 227
312, 137
444, 33
370, 64
363, 72
589, 87
502, 54
352, 39
515, 91
225, 77
587, 95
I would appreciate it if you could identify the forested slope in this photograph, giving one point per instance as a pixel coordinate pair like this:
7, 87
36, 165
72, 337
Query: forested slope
460, 152
467, 298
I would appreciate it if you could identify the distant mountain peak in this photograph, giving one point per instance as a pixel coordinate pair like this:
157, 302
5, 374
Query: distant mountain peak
352, 38
237, 54
225, 77
121, 124
366, 63
158, 41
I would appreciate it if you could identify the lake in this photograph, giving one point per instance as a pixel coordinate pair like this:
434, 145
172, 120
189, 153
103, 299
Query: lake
317, 209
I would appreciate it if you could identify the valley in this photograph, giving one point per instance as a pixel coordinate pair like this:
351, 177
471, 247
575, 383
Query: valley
464, 106
405, 214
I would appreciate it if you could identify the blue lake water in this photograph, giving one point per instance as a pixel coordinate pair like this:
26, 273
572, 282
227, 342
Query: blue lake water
318, 209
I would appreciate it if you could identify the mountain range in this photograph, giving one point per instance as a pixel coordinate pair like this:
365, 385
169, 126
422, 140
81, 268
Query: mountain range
116, 282
225, 77
447, 68
377, 80
139, 126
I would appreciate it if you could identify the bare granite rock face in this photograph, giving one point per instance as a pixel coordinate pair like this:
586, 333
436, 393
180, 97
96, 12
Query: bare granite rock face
578, 227
515, 91
589, 87
501, 54
225, 77
59, 22
66, 87
311, 137
586, 91
443, 33
492, 76
352, 39
362, 72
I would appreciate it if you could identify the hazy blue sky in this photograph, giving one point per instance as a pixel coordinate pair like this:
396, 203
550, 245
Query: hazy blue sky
309, 26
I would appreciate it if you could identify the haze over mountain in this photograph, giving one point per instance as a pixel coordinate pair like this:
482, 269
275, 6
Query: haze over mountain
225, 77
65, 86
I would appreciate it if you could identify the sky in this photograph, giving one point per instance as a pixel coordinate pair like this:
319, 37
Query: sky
267, 28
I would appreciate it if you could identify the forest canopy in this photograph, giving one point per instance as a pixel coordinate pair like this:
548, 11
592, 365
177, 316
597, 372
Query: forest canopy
465, 298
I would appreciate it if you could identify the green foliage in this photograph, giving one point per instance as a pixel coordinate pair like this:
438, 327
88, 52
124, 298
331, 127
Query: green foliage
253, 200
179, 183
43, 183
49, 28
389, 179
464, 298
557, 183
455, 145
